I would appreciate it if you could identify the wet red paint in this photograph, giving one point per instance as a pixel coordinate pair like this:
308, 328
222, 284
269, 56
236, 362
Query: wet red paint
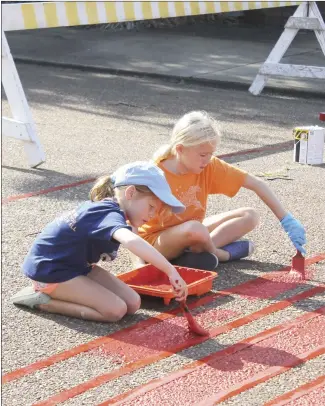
150, 276
273, 285
151, 323
193, 325
146, 360
312, 393
298, 264
316, 398
155, 340
100, 380
226, 372
149, 280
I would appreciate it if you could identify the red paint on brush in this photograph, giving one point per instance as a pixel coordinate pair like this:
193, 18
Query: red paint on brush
193, 325
239, 367
298, 264
312, 393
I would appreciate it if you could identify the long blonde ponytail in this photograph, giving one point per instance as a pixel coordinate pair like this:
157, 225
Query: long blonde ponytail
162, 153
102, 188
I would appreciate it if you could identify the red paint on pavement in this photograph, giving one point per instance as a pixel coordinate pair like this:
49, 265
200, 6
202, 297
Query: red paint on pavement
314, 398
264, 376
273, 285
228, 372
82, 182
45, 191
136, 329
191, 341
312, 393
18, 373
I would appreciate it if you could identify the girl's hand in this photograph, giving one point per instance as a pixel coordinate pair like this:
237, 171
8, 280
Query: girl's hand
295, 231
179, 286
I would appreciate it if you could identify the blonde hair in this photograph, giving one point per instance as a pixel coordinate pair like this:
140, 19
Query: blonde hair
194, 128
104, 187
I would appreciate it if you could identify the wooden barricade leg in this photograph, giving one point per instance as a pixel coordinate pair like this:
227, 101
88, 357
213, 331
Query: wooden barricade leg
22, 126
307, 16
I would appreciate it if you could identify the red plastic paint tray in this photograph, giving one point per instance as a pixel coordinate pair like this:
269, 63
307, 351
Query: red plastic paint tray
148, 280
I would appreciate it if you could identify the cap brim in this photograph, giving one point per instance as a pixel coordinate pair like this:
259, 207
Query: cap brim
169, 199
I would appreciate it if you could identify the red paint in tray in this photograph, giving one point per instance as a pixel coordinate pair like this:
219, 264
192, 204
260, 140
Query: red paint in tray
149, 280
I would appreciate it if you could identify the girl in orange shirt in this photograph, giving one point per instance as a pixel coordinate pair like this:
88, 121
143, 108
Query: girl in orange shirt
193, 173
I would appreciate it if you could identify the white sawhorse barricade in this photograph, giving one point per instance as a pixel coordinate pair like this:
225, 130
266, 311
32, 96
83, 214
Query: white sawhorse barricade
22, 125
55, 14
307, 17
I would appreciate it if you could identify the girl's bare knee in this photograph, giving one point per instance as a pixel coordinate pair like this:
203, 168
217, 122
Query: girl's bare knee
134, 304
116, 313
196, 231
252, 217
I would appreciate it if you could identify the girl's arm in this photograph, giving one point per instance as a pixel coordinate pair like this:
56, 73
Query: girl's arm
264, 192
291, 226
148, 253
136, 261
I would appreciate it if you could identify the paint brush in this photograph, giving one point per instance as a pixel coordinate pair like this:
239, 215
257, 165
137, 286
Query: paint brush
298, 264
193, 325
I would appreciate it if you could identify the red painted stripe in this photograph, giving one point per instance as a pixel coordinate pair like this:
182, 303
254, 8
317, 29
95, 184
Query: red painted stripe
191, 341
275, 147
263, 377
275, 283
45, 191
218, 371
82, 182
240, 289
297, 393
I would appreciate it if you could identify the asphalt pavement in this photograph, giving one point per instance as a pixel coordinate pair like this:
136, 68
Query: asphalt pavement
89, 123
211, 53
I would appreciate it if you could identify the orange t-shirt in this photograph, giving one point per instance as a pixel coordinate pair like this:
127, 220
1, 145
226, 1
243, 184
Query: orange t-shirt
193, 190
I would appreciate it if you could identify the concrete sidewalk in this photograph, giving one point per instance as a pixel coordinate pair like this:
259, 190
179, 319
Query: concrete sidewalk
208, 53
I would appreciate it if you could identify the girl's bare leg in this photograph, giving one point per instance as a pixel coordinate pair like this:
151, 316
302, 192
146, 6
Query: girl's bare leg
85, 298
172, 242
215, 232
227, 227
115, 285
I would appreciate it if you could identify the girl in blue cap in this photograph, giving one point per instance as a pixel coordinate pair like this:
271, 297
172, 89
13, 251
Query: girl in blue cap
62, 262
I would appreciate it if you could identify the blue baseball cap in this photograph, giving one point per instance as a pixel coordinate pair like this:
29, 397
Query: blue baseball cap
147, 174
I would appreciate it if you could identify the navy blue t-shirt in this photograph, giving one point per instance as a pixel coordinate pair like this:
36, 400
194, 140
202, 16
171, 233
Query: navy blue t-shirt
68, 246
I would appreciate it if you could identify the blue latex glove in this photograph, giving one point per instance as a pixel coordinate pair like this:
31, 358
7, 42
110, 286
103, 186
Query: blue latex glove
295, 231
